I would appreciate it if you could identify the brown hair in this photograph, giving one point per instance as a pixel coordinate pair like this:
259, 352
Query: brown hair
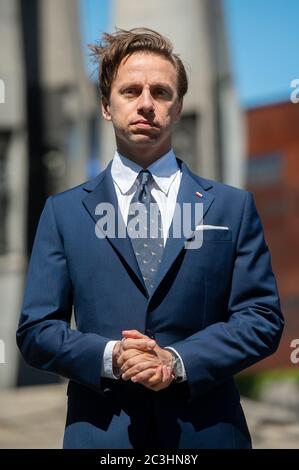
113, 48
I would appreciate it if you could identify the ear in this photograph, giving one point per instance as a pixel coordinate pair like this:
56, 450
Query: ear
106, 110
179, 110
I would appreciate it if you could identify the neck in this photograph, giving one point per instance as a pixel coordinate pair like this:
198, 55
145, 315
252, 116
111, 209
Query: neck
143, 157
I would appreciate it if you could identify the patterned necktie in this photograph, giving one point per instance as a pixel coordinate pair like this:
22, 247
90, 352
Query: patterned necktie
149, 244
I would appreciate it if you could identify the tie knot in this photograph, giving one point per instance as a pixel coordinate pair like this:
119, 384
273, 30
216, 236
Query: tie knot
144, 177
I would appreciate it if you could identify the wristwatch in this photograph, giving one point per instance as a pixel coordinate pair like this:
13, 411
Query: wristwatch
177, 368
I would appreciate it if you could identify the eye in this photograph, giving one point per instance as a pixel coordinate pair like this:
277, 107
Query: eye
130, 91
161, 93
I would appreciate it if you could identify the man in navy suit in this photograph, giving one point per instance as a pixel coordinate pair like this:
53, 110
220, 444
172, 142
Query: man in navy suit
162, 325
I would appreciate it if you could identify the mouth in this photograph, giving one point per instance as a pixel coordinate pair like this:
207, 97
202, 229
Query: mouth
143, 124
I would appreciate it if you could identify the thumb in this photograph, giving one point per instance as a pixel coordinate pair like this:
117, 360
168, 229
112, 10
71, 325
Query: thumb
133, 334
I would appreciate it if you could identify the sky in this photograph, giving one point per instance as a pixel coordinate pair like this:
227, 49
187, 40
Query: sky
263, 44
263, 38
95, 17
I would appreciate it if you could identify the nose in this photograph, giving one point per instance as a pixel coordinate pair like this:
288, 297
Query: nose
145, 102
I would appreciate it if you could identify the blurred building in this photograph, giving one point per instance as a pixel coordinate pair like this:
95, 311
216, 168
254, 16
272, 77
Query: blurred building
49, 125
273, 177
13, 182
48, 128
210, 135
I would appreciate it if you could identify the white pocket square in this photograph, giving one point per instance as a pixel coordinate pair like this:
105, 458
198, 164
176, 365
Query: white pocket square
210, 227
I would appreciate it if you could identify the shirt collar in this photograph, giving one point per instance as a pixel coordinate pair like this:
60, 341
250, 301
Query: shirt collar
124, 172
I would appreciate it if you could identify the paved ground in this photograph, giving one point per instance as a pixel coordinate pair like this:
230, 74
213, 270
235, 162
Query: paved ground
33, 417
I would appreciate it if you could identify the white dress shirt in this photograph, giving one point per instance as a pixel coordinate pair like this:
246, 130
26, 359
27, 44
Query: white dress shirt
164, 188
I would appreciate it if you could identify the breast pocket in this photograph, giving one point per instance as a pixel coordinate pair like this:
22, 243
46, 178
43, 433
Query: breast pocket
217, 235
211, 235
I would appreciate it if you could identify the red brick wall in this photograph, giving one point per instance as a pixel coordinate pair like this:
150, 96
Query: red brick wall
275, 130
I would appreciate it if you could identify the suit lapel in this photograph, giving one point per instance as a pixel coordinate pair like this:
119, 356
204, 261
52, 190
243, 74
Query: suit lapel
187, 194
102, 191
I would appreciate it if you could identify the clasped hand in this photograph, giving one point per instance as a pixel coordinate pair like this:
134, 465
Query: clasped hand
140, 359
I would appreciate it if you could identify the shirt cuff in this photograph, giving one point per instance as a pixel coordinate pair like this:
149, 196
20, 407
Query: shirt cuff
182, 364
107, 364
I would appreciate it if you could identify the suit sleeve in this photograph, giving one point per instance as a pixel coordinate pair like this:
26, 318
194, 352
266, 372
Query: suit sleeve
255, 321
44, 335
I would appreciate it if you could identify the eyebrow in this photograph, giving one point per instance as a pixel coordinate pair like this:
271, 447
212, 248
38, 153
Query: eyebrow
153, 85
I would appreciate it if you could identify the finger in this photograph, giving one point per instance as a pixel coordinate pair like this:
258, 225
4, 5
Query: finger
156, 381
138, 368
161, 385
125, 355
156, 378
135, 361
163, 377
133, 334
137, 354
144, 375
165, 380
166, 374
142, 344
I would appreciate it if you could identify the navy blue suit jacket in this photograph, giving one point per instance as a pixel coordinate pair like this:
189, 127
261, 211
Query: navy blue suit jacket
218, 306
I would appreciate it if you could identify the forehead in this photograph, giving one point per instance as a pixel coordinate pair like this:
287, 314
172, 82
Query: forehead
146, 66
